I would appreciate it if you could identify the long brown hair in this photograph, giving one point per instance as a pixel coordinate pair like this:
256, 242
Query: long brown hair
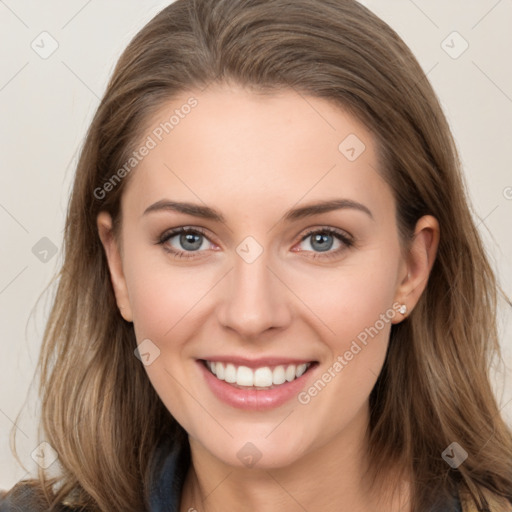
99, 410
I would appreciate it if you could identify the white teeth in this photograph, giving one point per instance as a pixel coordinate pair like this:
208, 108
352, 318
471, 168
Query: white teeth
219, 367
263, 377
290, 372
230, 373
278, 376
244, 376
300, 370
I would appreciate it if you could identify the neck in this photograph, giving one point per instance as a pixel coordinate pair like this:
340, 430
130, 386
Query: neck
328, 477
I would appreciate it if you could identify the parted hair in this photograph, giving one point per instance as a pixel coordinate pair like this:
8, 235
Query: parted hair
99, 410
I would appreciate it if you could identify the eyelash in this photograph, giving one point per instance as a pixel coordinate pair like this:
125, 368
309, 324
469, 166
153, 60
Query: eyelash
341, 236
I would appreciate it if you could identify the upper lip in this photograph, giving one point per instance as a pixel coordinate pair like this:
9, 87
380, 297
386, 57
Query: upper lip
259, 362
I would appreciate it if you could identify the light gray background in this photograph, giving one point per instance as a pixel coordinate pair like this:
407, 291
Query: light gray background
47, 104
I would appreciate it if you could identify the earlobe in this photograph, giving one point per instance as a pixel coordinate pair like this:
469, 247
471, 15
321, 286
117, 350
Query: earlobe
104, 224
419, 261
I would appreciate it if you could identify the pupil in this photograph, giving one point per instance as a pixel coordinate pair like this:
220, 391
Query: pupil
188, 238
322, 239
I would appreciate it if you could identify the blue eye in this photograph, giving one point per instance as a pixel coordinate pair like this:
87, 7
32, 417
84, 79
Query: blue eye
322, 241
191, 240
194, 240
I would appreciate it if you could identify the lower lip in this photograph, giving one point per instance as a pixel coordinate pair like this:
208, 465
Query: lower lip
252, 399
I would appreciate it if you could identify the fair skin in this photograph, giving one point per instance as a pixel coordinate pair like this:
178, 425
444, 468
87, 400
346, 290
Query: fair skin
252, 158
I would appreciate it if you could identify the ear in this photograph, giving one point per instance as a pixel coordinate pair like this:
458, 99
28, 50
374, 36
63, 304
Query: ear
104, 223
418, 263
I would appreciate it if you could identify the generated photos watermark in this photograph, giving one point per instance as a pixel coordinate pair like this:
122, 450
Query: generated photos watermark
150, 143
357, 345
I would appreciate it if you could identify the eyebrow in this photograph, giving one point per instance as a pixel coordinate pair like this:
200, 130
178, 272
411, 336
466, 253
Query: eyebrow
205, 212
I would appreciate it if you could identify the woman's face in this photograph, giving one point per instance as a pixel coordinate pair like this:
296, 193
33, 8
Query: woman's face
267, 279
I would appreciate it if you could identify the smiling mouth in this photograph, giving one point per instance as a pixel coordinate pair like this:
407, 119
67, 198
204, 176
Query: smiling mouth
261, 378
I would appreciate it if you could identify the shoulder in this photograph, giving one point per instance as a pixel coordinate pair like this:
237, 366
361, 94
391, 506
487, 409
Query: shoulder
26, 497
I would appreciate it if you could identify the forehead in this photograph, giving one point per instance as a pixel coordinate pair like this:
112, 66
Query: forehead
240, 150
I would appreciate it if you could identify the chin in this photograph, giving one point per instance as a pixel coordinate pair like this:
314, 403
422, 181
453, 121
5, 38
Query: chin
256, 452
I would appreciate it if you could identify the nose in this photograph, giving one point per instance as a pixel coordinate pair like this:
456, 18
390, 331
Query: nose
255, 299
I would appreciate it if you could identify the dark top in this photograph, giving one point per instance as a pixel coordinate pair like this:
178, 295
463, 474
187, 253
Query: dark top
170, 470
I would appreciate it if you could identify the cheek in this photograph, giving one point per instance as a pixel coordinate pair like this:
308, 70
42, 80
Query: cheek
352, 298
357, 305
156, 306
368, 296
163, 296
165, 303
